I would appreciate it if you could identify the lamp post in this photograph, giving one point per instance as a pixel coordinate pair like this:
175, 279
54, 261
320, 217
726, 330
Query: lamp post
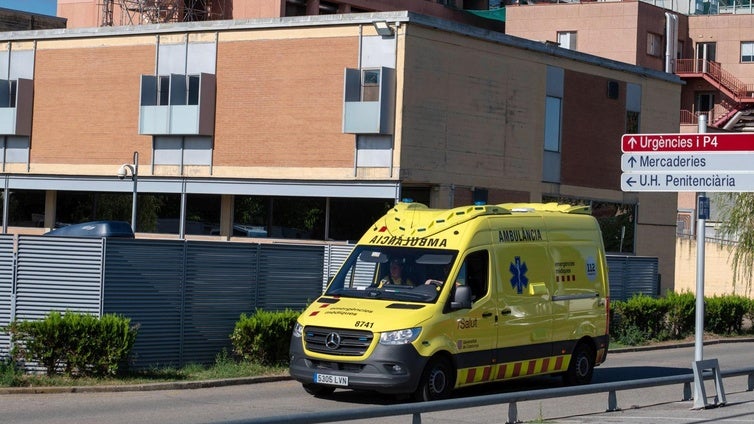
133, 169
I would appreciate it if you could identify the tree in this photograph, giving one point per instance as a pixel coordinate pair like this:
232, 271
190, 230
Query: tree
737, 225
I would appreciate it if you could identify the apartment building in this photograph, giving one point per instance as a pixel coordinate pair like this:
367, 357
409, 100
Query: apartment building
710, 45
93, 13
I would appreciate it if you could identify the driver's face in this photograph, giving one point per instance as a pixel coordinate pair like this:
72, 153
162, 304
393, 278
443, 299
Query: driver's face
395, 268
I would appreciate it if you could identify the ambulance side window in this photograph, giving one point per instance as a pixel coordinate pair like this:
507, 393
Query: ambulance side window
476, 266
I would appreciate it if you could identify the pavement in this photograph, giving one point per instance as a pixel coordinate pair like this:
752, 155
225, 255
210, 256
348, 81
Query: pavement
739, 408
640, 407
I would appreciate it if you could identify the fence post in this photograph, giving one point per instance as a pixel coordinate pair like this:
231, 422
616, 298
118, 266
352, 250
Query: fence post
612, 401
687, 391
512, 413
416, 418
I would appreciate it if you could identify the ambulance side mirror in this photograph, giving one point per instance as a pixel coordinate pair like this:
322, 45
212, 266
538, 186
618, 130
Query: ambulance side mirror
461, 298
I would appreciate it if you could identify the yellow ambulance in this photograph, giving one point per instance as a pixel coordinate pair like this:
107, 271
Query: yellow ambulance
431, 300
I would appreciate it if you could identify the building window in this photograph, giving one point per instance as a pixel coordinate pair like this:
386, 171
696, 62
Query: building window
163, 90
552, 123
182, 151
633, 108
632, 122
370, 85
8, 93
747, 52
654, 44
567, 39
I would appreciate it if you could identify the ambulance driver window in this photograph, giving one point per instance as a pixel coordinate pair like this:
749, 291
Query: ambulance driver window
475, 267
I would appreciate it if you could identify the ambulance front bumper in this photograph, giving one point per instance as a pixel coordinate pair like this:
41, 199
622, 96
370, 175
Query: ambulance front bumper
390, 369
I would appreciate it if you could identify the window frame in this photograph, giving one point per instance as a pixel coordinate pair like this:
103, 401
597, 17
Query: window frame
570, 36
654, 44
553, 124
750, 47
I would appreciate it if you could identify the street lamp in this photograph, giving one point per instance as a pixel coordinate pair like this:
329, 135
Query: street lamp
123, 172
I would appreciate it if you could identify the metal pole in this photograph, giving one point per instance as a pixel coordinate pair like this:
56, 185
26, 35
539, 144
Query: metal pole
699, 400
6, 205
134, 178
700, 240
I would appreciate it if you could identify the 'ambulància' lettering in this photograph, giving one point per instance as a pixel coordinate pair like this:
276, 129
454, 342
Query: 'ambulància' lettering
522, 234
409, 241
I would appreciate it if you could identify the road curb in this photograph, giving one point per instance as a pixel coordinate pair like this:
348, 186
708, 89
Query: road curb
173, 385
202, 384
680, 345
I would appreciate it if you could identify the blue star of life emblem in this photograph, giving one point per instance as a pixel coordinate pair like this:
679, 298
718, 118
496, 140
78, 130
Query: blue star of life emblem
519, 279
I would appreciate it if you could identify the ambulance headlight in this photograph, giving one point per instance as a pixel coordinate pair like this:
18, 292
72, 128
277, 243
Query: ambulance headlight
298, 330
400, 337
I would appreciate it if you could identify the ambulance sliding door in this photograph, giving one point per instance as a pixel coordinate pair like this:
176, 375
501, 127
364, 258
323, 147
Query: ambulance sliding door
525, 327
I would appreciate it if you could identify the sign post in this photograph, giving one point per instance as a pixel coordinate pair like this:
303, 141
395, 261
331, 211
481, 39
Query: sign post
701, 162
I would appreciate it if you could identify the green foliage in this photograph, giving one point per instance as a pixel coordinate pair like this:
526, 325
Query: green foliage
78, 344
681, 318
9, 373
737, 223
643, 313
642, 318
725, 314
264, 336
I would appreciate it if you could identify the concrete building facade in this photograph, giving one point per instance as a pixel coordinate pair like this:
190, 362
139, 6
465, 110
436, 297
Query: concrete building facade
321, 108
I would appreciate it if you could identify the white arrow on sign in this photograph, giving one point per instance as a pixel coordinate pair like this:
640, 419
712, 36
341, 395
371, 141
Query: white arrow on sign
696, 181
701, 161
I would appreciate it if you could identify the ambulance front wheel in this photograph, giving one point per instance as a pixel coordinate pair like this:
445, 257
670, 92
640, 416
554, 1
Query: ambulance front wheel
318, 390
581, 368
437, 380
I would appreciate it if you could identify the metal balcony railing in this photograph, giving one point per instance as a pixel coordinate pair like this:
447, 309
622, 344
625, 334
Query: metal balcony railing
714, 71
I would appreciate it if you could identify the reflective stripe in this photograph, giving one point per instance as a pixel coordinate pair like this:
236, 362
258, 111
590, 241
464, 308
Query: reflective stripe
509, 370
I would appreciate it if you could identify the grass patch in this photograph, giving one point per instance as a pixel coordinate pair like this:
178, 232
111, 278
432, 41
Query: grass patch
223, 368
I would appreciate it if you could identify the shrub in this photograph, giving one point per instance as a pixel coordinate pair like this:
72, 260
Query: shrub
76, 343
9, 373
643, 313
725, 314
681, 318
264, 337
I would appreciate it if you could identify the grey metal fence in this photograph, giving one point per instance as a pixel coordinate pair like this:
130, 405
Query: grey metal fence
631, 275
7, 261
186, 296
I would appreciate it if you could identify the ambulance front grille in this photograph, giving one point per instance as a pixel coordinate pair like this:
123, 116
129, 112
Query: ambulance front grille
337, 341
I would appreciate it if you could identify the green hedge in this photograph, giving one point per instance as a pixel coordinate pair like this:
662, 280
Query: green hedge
642, 319
264, 336
74, 343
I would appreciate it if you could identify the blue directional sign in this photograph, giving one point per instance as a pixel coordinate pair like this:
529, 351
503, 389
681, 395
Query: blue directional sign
703, 161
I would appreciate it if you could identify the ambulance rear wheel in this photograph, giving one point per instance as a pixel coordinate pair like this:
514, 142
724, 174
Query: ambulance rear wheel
581, 368
318, 390
437, 381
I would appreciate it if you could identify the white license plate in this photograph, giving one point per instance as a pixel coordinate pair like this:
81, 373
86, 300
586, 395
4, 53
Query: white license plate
333, 380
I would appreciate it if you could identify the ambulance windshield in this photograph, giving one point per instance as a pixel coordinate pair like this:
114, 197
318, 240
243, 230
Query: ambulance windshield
393, 273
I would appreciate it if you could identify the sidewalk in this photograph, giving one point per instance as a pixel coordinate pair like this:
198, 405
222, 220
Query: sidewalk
738, 409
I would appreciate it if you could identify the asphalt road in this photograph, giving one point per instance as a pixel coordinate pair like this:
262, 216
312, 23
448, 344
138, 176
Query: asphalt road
247, 401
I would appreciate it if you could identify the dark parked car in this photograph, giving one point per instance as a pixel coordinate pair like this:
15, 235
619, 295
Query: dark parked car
96, 229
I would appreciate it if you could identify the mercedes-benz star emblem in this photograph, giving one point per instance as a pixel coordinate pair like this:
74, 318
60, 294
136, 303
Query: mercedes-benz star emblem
332, 341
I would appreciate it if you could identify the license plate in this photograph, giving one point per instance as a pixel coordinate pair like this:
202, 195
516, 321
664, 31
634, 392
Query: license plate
333, 380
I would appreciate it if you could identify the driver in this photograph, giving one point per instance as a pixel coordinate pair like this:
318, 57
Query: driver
395, 276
